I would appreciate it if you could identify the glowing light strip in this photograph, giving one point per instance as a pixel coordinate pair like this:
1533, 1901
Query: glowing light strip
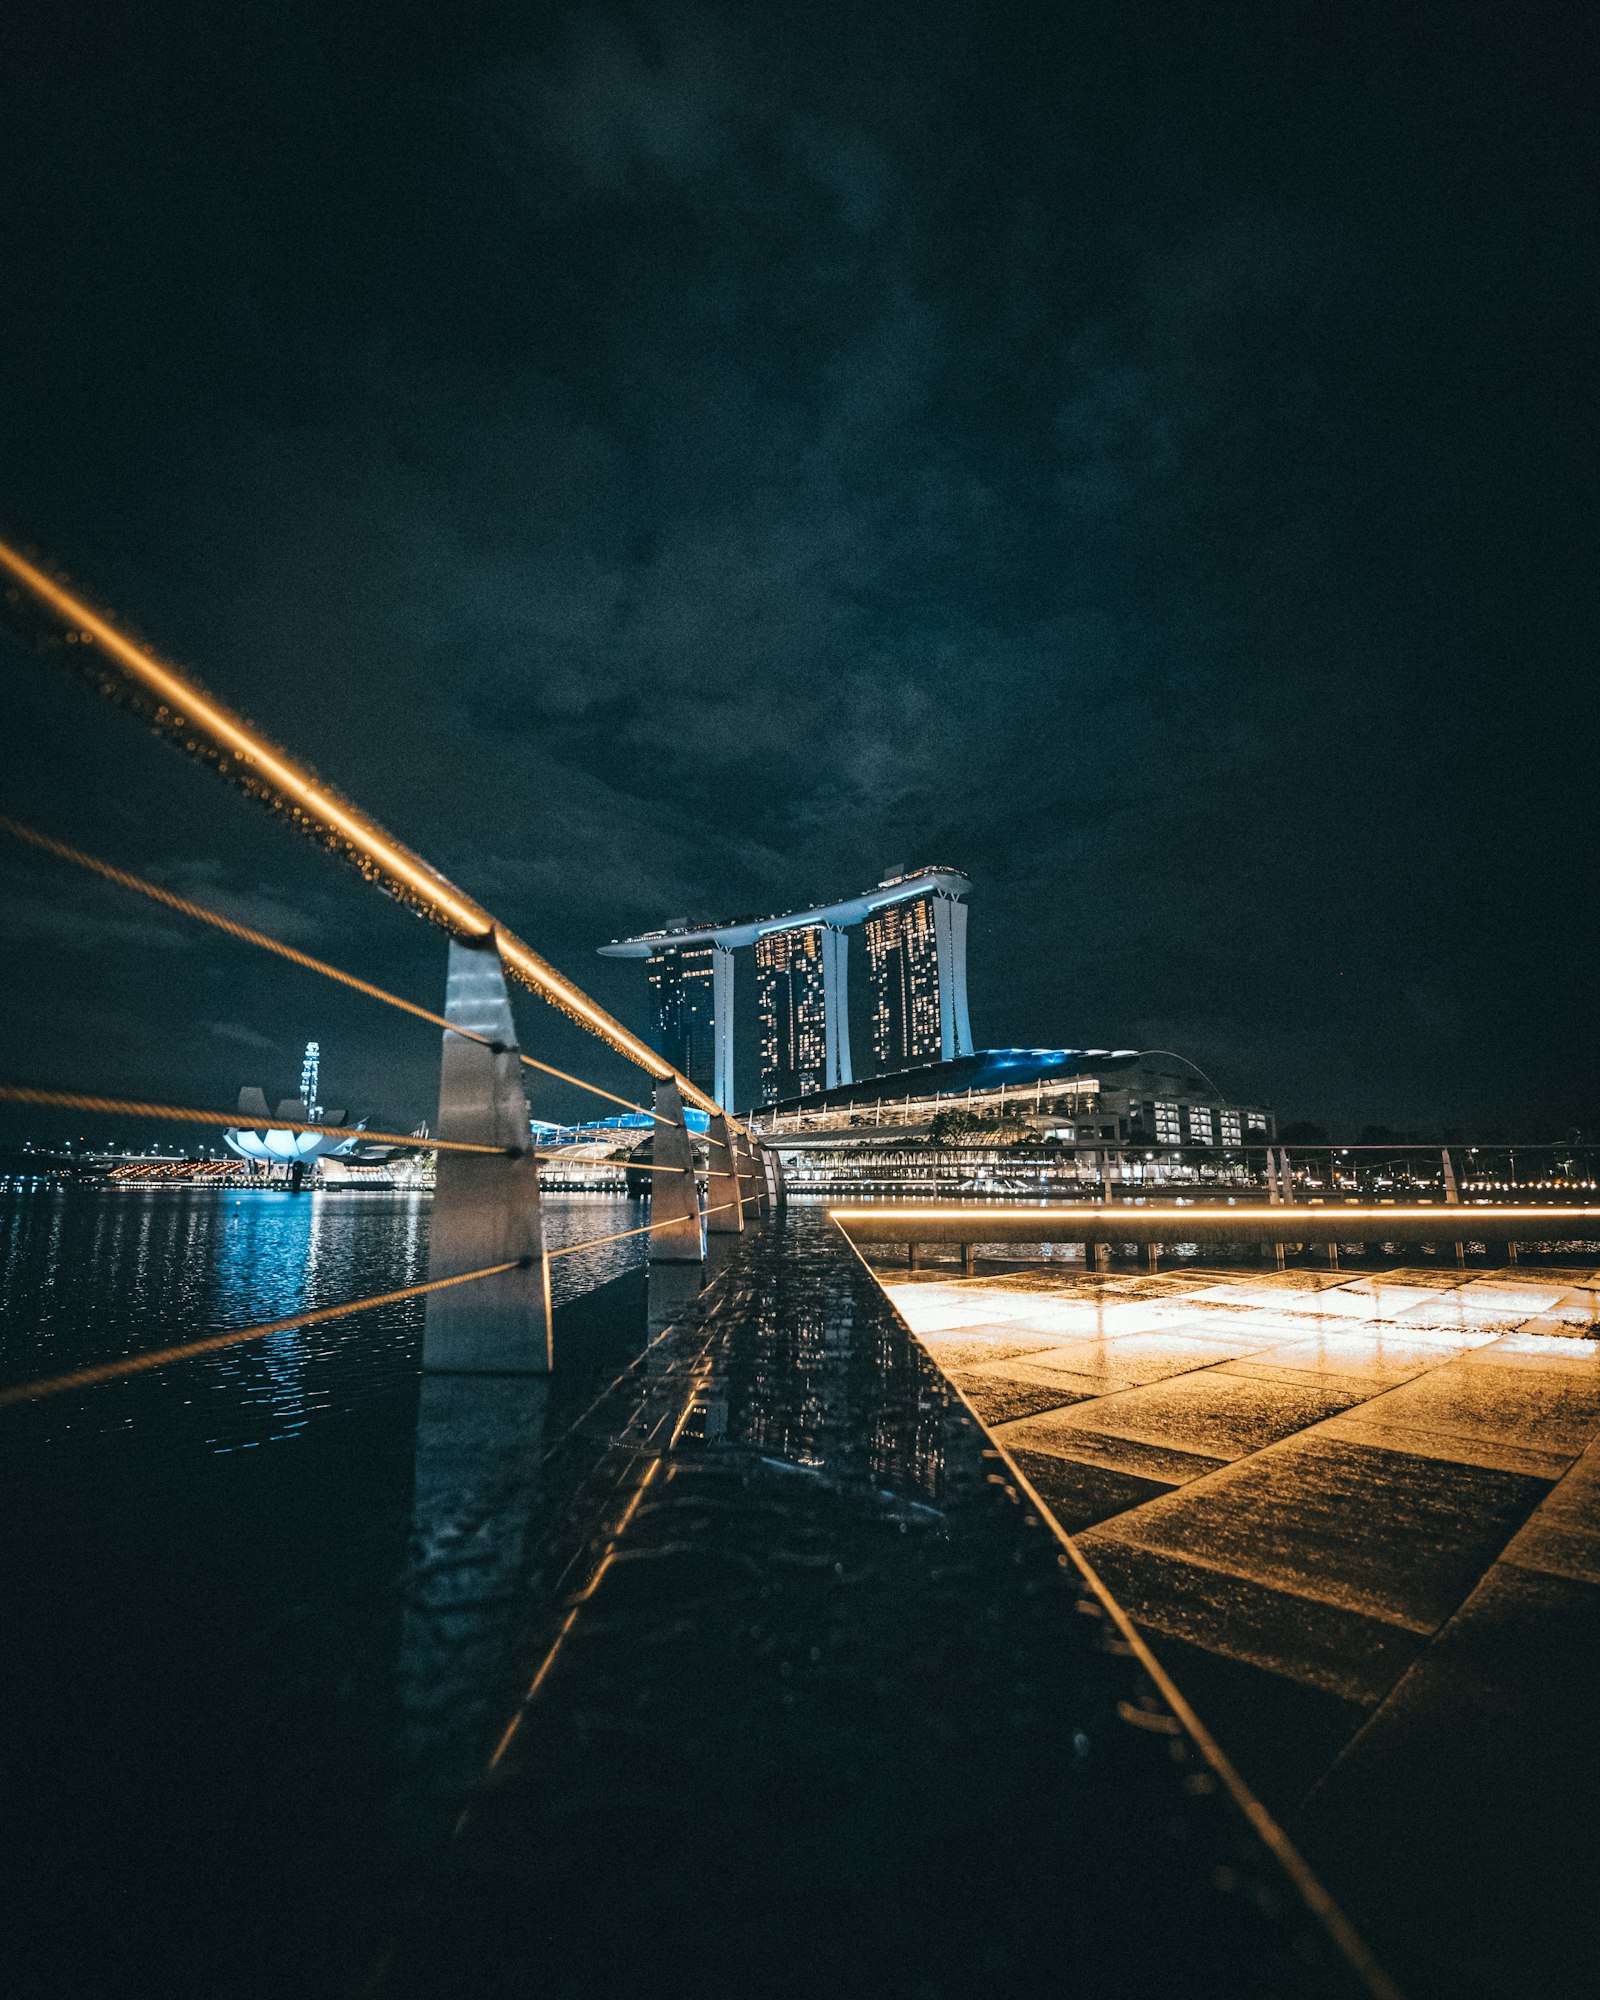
160, 1357
1288, 1214
294, 784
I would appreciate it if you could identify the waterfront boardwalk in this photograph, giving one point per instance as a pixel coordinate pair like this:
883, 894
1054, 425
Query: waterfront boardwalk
1358, 1518
820, 1708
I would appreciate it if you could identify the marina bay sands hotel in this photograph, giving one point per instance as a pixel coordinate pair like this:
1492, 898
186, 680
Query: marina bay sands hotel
915, 926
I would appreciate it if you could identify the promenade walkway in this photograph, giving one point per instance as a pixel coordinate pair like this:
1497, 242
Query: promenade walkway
820, 1708
1358, 1518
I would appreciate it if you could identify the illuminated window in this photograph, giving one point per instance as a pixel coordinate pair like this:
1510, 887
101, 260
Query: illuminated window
1200, 1128
1228, 1121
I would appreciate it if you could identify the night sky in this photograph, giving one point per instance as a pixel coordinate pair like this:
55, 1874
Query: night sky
684, 461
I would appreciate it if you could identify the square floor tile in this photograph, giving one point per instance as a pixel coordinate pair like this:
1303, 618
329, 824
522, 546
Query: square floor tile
1379, 1359
1043, 1372
1364, 1425
1342, 1651
1165, 1464
1387, 1534
1471, 1795
967, 1346
1572, 1355
1077, 1494
1209, 1414
1553, 1409
999, 1400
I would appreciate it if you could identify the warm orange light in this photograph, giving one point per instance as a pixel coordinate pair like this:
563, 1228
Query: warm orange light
1300, 1212
296, 786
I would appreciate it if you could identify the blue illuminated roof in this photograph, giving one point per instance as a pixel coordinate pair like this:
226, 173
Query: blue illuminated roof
985, 1070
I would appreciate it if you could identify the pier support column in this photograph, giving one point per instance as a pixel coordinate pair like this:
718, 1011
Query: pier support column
724, 1189
772, 1169
751, 1177
1102, 1256
674, 1198
485, 1207
745, 1167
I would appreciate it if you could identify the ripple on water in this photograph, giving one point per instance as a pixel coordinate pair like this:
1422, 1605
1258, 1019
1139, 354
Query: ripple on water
93, 1274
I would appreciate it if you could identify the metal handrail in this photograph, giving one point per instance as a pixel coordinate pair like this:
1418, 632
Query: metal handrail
180, 709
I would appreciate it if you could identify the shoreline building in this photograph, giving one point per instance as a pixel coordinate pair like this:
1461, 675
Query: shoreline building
691, 1013
917, 963
1138, 1099
917, 952
802, 997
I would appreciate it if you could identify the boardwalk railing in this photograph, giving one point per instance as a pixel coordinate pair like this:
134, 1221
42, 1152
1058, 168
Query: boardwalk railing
488, 1290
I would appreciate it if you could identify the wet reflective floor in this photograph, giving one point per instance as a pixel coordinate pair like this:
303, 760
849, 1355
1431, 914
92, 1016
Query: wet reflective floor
822, 1709
728, 1660
1359, 1520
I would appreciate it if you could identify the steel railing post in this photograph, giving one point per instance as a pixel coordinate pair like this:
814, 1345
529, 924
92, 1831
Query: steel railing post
675, 1233
724, 1191
485, 1206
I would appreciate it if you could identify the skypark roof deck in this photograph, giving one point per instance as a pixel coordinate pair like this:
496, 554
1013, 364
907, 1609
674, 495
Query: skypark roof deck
745, 930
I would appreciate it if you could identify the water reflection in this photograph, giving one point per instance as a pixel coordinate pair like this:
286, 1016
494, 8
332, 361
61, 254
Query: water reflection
92, 1274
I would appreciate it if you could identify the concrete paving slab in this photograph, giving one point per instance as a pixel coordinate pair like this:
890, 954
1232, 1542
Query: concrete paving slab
1364, 1426
1334, 1648
1471, 1795
1444, 1277
1151, 1357
1391, 1535
1450, 1313
1504, 1294
1572, 1355
1556, 1547
1043, 1373
1550, 1409
1283, 1291
1255, 1370
1577, 1497
1002, 1399
967, 1346
1381, 1359
1575, 1307
1079, 1494
1209, 1414
1282, 1734
1166, 1464
1562, 1535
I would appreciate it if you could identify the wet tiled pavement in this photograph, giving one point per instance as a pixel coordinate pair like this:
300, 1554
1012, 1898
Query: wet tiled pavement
1359, 1519
823, 1709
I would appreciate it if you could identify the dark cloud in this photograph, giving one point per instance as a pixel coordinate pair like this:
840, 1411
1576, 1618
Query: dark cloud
668, 459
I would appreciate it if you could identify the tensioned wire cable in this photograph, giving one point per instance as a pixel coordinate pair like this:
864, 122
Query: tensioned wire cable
179, 1114
124, 878
161, 1357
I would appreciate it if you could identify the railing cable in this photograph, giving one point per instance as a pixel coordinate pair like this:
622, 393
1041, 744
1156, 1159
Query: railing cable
124, 878
184, 712
161, 1357
180, 1114
644, 1229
